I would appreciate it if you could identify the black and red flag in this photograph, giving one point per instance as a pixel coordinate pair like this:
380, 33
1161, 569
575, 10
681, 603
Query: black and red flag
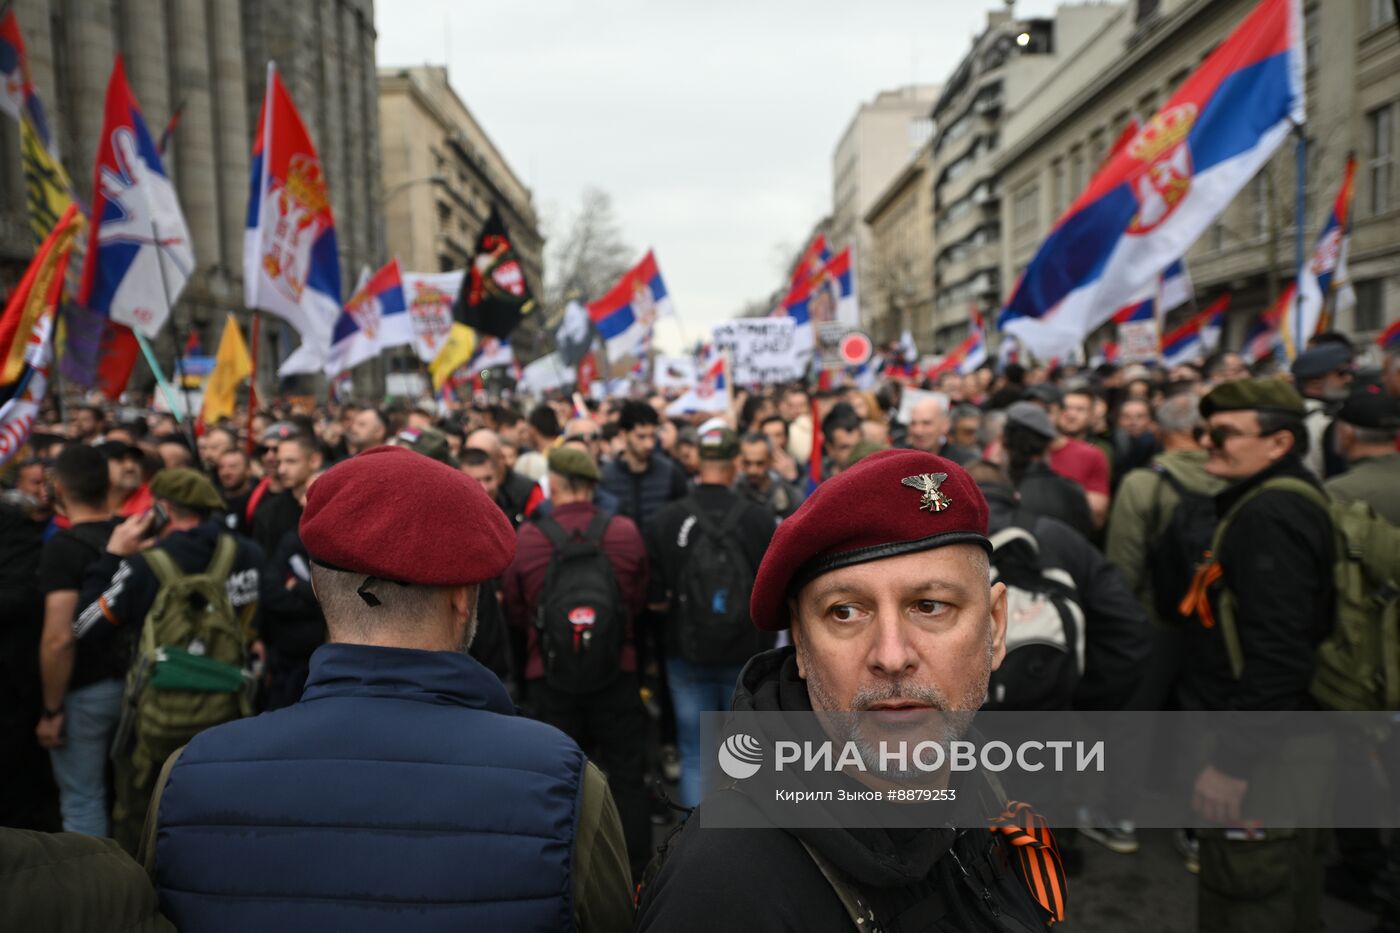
495, 296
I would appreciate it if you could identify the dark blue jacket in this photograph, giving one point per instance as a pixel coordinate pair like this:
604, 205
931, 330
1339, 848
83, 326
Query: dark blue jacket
641, 495
401, 793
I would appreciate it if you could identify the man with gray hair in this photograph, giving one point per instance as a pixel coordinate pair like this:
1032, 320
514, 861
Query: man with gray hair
512, 490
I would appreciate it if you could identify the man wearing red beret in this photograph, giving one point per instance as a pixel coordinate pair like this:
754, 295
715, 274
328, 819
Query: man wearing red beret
403, 792
883, 577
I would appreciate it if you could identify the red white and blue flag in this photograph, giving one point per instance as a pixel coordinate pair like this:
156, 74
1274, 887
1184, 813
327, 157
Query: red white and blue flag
139, 255
1152, 200
290, 263
491, 353
1389, 338
1325, 271
18, 98
829, 294
809, 266
1264, 335
968, 355
375, 318
711, 391
1197, 337
625, 315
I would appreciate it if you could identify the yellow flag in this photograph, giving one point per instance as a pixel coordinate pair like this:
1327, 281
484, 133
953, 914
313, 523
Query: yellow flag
232, 365
46, 182
455, 352
37, 294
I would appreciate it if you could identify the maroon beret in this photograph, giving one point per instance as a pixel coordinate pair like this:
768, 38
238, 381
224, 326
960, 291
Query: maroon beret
892, 502
398, 515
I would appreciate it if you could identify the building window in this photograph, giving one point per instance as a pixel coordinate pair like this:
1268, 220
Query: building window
1057, 186
1380, 136
1076, 172
1370, 310
1382, 13
1259, 203
1026, 211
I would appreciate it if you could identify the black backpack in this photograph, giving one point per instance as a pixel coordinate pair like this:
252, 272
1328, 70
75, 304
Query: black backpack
1044, 628
581, 621
1174, 555
711, 602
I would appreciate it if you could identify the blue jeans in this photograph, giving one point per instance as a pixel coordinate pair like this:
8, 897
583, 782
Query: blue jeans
695, 689
90, 717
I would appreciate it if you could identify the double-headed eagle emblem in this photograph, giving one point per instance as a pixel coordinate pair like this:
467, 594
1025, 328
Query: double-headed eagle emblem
927, 483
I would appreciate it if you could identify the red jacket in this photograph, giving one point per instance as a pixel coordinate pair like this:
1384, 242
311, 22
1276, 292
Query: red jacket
524, 579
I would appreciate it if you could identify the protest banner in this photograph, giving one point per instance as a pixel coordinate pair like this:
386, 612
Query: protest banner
762, 351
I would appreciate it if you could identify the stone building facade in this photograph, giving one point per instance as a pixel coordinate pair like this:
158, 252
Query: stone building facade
1353, 103
211, 57
898, 285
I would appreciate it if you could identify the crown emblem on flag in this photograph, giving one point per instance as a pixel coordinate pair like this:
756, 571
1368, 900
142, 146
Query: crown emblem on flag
1163, 132
306, 186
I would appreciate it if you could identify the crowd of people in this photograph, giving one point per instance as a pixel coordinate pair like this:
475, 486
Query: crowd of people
597, 559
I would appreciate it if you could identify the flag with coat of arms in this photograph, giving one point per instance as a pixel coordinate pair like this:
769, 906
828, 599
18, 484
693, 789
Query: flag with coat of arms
1152, 200
625, 315
291, 267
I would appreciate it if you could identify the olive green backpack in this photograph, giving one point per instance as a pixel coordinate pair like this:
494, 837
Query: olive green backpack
1358, 664
191, 667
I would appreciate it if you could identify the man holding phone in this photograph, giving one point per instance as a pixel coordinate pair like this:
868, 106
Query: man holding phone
120, 591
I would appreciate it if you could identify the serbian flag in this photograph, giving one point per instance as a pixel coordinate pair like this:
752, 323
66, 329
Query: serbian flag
968, 355
1264, 334
1152, 200
1130, 131
1197, 337
809, 266
711, 391
430, 296
1389, 338
290, 264
828, 295
139, 255
375, 318
1326, 267
624, 316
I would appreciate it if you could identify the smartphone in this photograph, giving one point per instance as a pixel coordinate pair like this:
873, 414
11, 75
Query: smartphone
159, 519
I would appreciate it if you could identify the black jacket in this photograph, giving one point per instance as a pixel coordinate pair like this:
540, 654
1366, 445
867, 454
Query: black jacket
641, 495
1277, 558
760, 880
1045, 492
513, 495
1117, 634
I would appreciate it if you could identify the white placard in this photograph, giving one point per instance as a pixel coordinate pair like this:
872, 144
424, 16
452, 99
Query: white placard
762, 351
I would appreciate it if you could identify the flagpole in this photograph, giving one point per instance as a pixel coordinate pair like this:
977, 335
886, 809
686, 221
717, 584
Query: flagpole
253, 378
180, 344
1302, 152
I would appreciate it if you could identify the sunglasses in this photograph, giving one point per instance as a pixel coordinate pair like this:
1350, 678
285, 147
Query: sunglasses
1220, 436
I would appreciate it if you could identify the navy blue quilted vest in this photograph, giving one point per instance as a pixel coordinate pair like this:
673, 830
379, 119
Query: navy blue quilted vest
401, 793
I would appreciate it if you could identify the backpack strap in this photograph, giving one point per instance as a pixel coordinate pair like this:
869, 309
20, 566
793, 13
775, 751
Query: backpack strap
856, 908
225, 554
259, 491
1197, 599
166, 570
597, 528
553, 531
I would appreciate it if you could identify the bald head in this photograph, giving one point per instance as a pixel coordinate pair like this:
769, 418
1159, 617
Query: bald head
928, 424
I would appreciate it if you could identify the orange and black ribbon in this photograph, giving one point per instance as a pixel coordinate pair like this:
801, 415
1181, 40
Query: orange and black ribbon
1041, 868
1197, 599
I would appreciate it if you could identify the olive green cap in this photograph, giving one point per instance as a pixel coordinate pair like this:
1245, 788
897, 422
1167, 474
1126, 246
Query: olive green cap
864, 449
570, 461
430, 442
719, 443
186, 487
1253, 395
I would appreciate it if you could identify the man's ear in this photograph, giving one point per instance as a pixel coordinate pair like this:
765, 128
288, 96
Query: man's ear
795, 633
998, 618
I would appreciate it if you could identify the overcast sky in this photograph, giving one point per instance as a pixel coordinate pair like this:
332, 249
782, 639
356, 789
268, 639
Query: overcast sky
710, 122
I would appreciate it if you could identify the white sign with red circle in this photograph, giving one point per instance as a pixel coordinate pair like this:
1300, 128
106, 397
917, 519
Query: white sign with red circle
856, 349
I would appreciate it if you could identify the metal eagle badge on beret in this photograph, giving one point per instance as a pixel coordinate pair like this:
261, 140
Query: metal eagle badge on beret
927, 483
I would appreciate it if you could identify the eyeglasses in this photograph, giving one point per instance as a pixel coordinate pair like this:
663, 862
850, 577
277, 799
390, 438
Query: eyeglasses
1219, 436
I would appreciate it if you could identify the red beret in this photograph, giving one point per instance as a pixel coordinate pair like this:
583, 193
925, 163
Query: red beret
890, 503
398, 515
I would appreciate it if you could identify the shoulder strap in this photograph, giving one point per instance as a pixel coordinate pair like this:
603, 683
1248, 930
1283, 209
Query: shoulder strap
146, 851
732, 517
553, 531
1013, 533
598, 527
1280, 483
254, 498
856, 908
161, 564
225, 553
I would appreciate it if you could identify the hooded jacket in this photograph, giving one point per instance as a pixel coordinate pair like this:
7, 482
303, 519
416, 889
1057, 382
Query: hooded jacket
917, 879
